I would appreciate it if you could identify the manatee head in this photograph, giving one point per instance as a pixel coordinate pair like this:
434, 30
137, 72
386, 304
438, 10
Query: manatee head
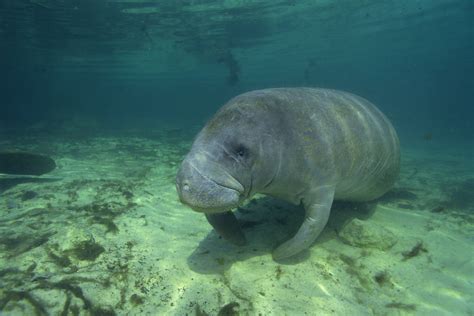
233, 157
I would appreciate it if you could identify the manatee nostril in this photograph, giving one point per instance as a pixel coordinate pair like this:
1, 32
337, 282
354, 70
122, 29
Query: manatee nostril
184, 185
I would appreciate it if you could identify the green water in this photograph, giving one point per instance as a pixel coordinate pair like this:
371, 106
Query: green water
115, 92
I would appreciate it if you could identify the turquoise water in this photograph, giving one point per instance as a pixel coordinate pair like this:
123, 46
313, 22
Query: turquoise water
115, 92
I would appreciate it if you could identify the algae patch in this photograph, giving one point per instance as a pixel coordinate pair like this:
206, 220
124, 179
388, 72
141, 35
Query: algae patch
87, 250
382, 278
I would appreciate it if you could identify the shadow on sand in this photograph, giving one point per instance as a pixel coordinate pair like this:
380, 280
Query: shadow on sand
266, 223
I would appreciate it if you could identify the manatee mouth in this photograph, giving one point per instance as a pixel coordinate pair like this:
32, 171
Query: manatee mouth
213, 191
225, 180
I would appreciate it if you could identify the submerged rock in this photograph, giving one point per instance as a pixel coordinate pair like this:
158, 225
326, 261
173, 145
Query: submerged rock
23, 163
366, 234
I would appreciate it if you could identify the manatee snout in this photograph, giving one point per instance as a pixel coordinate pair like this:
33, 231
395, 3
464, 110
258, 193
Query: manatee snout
206, 187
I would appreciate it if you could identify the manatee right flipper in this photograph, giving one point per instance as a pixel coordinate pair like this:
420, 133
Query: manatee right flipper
317, 204
227, 225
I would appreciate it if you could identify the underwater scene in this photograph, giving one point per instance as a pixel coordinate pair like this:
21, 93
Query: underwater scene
236, 157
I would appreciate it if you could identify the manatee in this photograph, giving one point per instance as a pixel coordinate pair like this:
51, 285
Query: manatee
308, 146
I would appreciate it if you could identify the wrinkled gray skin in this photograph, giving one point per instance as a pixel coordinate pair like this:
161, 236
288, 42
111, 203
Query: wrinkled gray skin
304, 145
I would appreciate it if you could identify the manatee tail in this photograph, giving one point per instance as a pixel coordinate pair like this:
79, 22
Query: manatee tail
228, 227
23, 163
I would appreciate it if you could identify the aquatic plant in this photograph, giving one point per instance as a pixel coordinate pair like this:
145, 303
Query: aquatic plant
87, 250
414, 251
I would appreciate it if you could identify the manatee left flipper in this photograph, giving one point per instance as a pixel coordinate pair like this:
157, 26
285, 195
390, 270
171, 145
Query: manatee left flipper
317, 204
227, 225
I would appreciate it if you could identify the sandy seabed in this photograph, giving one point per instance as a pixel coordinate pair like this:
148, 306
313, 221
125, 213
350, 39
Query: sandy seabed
105, 234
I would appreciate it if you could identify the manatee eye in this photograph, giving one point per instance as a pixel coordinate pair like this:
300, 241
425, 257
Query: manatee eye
241, 151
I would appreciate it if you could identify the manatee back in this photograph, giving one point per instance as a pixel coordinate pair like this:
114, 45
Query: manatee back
337, 136
366, 148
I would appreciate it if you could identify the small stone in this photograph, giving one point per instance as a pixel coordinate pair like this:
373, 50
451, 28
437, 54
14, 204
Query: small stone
366, 234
